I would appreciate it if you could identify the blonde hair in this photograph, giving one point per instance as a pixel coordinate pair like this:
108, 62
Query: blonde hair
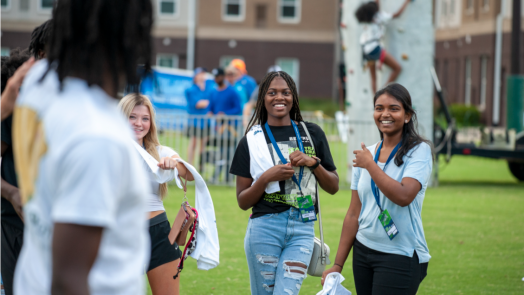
127, 104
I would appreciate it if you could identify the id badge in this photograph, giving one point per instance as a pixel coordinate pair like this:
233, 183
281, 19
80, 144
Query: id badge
307, 208
388, 224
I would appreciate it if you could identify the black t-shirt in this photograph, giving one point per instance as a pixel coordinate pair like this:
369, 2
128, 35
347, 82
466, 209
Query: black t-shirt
8, 174
286, 140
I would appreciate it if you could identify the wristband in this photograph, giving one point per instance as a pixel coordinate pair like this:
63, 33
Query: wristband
338, 265
315, 165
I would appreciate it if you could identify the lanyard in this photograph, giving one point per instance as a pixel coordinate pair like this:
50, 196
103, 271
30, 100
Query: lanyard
374, 187
279, 153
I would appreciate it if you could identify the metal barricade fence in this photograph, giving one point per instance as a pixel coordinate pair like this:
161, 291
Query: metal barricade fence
209, 142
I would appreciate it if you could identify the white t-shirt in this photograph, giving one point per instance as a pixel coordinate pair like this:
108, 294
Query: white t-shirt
154, 201
86, 173
372, 32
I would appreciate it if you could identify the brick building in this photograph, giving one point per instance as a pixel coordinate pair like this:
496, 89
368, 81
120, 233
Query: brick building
465, 53
299, 35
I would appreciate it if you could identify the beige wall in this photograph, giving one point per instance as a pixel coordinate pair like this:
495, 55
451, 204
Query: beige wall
318, 22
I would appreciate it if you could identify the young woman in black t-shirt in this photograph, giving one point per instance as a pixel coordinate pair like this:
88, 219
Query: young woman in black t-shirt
278, 243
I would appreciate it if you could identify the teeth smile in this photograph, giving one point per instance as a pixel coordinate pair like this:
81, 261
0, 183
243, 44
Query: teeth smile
387, 122
279, 105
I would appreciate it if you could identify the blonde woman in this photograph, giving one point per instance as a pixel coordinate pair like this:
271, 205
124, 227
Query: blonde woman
165, 255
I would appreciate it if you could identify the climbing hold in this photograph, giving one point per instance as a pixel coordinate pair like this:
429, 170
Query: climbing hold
404, 56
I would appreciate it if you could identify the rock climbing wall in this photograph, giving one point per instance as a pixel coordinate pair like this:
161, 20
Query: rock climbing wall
410, 39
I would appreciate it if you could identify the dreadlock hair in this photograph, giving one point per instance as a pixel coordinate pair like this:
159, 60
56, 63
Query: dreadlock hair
40, 38
260, 115
10, 64
99, 36
410, 136
366, 12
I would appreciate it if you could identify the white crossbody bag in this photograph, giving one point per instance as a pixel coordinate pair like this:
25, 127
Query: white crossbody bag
320, 256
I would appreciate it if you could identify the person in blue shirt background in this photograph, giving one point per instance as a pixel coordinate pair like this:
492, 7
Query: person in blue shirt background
197, 97
233, 76
224, 100
244, 79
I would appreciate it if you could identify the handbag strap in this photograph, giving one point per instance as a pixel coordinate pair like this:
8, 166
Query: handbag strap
322, 253
184, 184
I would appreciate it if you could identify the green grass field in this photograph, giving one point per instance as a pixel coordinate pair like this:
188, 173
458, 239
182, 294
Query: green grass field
473, 224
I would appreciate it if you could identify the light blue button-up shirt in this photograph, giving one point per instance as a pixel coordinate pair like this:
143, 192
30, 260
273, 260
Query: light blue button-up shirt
418, 164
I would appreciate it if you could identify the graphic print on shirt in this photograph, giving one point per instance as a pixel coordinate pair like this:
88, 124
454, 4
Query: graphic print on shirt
291, 190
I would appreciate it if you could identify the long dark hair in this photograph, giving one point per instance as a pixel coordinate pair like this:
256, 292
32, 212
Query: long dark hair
91, 36
260, 115
40, 37
410, 136
366, 12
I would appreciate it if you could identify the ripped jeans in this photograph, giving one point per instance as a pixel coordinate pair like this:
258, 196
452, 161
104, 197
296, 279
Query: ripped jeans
278, 249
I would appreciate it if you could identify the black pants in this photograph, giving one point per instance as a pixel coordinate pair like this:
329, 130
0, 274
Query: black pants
378, 273
12, 239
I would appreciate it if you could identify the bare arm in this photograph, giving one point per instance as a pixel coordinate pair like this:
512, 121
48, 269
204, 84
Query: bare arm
167, 163
13, 85
401, 10
401, 193
75, 248
248, 195
347, 238
11, 192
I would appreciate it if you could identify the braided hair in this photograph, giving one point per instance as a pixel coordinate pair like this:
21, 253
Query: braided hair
39, 38
98, 36
410, 136
260, 115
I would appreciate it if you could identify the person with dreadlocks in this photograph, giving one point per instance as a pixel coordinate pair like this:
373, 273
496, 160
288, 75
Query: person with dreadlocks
14, 68
278, 163
81, 181
39, 39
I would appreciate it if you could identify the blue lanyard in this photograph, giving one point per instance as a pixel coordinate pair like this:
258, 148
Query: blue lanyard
279, 153
374, 187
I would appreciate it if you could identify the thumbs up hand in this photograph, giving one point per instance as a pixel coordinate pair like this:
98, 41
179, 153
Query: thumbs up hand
363, 158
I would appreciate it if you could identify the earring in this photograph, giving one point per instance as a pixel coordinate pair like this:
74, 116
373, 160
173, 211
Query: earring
406, 121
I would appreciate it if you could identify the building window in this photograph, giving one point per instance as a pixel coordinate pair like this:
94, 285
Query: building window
168, 7
233, 10
289, 11
5, 50
167, 60
467, 92
6, 4
444, 8
261, 15
452, 7
483, 80
470, 8
485, 5
290, 66
46, 5
24, 5
226, 60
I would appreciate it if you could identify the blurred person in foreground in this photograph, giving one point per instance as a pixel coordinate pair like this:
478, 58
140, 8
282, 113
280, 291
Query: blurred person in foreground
383, 224
14, 69
197, 97
80, 179
224, 101
39, 39
248, 107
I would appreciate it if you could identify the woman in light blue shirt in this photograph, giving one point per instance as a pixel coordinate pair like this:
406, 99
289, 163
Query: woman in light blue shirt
383, 223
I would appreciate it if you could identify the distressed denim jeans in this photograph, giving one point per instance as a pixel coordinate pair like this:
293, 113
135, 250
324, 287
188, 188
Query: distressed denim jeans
278, 249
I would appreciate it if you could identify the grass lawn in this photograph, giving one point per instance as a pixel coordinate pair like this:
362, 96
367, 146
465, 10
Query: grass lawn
471, 222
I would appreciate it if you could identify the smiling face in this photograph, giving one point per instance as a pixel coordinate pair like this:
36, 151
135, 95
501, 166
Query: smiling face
278, 100
140, 120
390, 115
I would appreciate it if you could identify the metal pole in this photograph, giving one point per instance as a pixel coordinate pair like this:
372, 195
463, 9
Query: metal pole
498, 53
515, 38
190, 60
